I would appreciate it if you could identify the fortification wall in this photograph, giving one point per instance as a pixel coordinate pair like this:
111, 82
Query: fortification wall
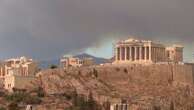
183, 73
155, 73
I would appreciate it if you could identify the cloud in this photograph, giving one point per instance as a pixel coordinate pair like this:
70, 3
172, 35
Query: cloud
48, 28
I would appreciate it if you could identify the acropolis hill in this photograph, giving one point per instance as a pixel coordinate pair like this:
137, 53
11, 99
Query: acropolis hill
144, 87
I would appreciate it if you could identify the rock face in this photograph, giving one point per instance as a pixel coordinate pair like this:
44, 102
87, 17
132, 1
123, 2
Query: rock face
153, 87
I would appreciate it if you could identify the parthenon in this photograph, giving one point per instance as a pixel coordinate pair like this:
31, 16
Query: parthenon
146, 51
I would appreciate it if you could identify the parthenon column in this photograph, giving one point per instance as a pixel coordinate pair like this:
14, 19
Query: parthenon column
120, 53
125, 53
145, 55
150, 53
140, 53
135, 53
130, 53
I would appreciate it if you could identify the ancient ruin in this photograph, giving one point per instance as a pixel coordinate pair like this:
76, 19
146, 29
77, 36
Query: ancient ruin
146, 51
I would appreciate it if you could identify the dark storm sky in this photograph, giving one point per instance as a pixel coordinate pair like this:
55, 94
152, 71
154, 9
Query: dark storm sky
45, 29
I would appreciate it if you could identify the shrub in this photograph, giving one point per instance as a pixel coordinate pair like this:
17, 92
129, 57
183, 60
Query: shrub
156, 108
2, 108
13, 106
40, 92
80, 102
67, 96
2, 94
15, 97
95, 72
26, 98
53, 66
32, 100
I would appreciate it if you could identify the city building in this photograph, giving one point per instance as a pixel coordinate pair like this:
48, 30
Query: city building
19, 72
69, 61
20, 66
146, 51
87, 62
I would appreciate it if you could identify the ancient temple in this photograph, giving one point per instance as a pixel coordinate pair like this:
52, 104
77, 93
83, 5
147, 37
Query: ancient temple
146, 51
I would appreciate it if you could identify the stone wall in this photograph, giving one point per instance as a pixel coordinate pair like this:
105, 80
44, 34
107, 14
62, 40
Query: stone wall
155, 73
183, 73
18, 82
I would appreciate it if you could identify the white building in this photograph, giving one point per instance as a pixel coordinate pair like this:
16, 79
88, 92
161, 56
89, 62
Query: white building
69, 61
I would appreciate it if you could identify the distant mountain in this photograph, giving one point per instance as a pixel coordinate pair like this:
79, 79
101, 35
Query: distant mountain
46, 63
97, 60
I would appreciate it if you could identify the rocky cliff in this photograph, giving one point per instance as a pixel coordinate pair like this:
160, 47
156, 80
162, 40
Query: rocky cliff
151, 87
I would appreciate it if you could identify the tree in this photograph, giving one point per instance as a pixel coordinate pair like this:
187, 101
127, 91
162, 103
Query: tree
40, 92
74, 98
95, 72
91, 103
22, 97
53, 66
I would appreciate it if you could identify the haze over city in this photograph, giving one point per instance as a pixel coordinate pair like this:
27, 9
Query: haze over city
46, 29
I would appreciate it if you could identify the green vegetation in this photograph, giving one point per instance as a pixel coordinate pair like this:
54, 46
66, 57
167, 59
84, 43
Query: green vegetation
39, 91
22, 97
80, 102
53, 66
13, 106
2, 108
95, 73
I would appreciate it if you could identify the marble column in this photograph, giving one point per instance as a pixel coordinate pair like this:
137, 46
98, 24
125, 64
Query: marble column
120, 53
150, 53
130, 53
135, 53
154, 55
126, 53
145, 55
156, 52
140, 53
